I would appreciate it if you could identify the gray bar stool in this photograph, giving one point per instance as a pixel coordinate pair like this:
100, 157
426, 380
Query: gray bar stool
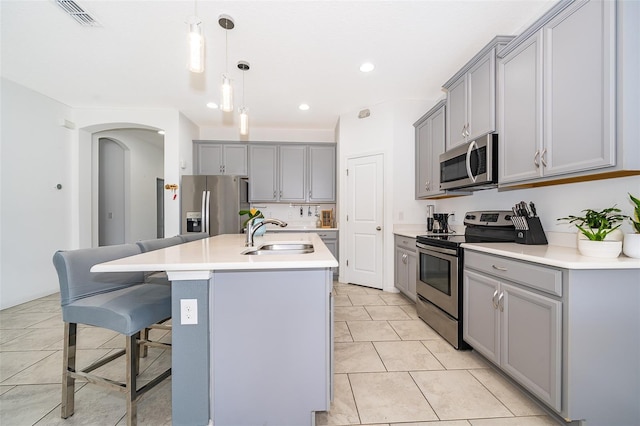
121, 302
193, 236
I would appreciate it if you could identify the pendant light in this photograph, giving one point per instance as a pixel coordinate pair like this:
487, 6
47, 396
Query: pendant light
196, 42
244, 113
196, 46
226, 103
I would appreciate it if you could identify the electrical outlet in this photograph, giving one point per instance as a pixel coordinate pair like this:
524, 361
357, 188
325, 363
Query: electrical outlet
188, 311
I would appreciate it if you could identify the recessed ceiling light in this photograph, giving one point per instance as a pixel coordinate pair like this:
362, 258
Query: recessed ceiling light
303, 107
161, 132
367, 67
212, 105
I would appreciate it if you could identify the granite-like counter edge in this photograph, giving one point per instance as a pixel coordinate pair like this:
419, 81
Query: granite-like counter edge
550, 255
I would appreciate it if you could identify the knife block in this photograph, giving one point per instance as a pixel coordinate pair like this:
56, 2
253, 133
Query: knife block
529, 230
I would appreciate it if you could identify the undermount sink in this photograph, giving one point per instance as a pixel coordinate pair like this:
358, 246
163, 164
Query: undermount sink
281, 248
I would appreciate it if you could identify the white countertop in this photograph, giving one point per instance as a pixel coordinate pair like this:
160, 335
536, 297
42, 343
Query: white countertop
275, 228
559, 256
224, 252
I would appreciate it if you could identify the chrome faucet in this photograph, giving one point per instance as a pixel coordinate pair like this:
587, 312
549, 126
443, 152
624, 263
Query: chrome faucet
252, 227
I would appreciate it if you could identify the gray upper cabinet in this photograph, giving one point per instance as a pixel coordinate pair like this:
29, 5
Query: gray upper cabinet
263, 177
429, 143
322, 173
471, 96
560, 97
292, 173
220, 159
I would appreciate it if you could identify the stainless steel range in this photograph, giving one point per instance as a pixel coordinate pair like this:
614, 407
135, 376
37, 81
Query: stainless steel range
440, 265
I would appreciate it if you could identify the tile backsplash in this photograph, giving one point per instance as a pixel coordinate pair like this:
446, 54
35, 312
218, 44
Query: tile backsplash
303, 215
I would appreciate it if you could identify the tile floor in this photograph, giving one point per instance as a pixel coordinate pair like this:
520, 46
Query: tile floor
390, 369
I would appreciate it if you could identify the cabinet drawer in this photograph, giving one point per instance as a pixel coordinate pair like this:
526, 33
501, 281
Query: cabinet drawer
542, 278
406, 243
327, 235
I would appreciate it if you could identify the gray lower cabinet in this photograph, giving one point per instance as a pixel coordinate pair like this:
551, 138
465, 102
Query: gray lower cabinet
406, 265
517, 329
429, 144
220, 159
568, 336
561, 87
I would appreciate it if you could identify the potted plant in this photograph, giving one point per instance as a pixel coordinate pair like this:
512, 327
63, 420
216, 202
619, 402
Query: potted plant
599, 235
253, 213
631, 245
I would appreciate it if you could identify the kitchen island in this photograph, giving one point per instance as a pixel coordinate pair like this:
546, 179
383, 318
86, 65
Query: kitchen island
257, 347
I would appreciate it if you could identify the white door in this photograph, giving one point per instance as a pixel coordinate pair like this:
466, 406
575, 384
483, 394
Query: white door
364, 220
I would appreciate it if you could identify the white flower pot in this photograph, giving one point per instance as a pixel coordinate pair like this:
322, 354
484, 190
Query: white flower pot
615, 235
602, 249
631, 245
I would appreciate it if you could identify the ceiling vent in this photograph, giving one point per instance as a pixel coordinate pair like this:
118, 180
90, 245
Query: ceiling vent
74, 10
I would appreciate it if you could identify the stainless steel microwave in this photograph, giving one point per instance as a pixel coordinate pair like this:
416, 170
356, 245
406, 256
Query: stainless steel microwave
471, 166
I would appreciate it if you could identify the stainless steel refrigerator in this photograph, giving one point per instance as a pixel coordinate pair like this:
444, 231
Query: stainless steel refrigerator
211, 203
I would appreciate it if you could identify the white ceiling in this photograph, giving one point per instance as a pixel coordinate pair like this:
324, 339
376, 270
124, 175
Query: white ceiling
299, 51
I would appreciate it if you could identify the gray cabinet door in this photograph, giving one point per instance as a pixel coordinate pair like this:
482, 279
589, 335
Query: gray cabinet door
424, 160
430, 141
457, 113
293, 173
520, 112
401, 270
209, 159
481, 320
531, 342
322, 174
481, 97
235, 160
263, 162
579, 88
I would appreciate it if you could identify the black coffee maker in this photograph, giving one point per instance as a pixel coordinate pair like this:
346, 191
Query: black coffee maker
441, 223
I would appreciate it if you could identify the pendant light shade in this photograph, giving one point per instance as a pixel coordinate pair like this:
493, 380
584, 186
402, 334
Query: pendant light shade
244, 121
196, 46
244, 113
226, 104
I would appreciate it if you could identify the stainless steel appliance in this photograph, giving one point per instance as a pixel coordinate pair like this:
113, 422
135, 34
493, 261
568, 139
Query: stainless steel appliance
211, 203
440, 269
472, 166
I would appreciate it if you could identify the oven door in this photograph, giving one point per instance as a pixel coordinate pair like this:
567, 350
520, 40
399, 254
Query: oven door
438, 277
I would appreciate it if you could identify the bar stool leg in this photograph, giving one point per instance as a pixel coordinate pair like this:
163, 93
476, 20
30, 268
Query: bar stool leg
132, 371
68, 364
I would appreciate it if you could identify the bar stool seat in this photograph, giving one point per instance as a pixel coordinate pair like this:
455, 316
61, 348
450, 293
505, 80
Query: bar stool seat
121, 302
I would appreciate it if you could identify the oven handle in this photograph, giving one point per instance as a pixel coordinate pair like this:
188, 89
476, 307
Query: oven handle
436, 249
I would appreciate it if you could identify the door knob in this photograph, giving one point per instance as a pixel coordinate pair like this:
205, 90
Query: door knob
378, 228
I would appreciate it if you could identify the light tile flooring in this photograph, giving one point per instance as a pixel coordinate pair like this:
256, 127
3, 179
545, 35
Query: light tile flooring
390, 369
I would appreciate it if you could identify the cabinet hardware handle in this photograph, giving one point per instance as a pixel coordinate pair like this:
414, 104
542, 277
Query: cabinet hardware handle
499, 268
280, 194
378, 228
542, 154
404, 259
463, 130
494, 302
274, 195
466, 131
501, 301
535, 158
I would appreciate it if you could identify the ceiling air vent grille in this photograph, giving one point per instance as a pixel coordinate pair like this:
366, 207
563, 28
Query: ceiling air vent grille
74, 10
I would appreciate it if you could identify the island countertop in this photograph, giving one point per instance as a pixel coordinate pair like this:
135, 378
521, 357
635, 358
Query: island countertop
224, 252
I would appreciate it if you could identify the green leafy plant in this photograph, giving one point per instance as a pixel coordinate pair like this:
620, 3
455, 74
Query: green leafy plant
635, 219
596, 225
252, 213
